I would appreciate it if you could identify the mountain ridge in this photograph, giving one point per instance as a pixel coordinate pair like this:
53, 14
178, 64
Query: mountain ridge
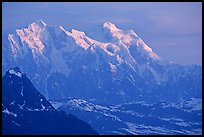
124, 67
26, 111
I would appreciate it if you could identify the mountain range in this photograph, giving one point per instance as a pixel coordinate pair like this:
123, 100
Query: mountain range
116, 68
109, 78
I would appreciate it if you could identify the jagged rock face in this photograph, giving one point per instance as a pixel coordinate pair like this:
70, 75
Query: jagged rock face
26, 111
122, 68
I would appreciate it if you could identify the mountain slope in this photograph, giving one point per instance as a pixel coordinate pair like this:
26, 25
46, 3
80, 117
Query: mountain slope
26, 111
116, 68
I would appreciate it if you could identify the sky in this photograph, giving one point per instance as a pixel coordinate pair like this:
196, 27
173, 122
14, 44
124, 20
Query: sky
172, 29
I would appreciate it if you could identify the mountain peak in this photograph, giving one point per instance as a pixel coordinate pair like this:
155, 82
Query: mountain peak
40, 22
109, 25
15, 71
37, 25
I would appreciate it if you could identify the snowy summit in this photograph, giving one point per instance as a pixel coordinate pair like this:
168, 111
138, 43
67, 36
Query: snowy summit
119, 65
15, 71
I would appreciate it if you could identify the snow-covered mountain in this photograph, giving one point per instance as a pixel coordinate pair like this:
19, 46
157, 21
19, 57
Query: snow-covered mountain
26, 111
110, 65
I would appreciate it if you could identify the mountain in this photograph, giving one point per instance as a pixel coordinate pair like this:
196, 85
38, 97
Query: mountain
135, 118
109, 65
26, 111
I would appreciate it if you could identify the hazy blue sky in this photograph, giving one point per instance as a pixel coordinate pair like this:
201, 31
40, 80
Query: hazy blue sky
172, 30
